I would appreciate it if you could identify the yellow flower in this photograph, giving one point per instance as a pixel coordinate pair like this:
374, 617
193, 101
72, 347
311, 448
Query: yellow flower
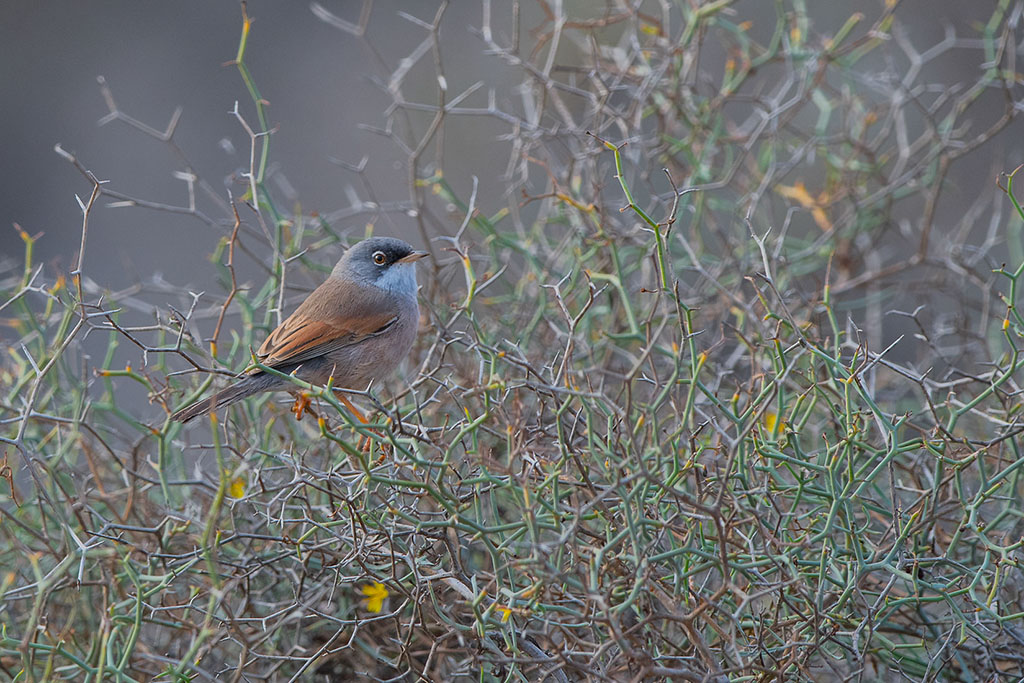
505, 613
237, 488
375, 594
770, 419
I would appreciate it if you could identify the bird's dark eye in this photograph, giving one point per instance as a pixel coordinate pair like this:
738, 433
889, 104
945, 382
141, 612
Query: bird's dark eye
379, 258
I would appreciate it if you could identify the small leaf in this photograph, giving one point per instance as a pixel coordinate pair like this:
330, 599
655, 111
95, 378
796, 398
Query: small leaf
798, 193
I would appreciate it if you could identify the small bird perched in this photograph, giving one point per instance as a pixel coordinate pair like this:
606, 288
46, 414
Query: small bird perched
357, 326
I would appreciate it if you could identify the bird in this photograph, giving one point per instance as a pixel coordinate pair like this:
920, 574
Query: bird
356, 327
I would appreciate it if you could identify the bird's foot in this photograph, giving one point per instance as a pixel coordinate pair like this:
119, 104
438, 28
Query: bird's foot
365, 442
366, 445
301, 406
385, 452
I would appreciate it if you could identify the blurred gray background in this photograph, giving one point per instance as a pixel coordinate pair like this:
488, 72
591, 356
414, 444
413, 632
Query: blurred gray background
317, 79
159, 56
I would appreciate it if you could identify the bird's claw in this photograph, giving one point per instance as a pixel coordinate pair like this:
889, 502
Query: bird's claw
301, 405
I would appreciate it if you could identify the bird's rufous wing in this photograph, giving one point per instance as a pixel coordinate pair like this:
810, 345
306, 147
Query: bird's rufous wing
332, 317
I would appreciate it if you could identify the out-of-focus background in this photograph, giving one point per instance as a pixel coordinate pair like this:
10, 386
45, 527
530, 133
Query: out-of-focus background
322, 85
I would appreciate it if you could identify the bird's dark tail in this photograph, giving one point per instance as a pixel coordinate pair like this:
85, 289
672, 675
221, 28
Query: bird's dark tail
225, 397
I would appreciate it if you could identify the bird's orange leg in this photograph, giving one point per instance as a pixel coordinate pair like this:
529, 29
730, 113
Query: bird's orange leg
301, 405
351, 408
363, 446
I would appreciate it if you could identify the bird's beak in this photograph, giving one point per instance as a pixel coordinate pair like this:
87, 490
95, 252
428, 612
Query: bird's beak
414, 256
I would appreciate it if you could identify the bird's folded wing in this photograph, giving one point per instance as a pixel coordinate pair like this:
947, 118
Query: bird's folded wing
301, 337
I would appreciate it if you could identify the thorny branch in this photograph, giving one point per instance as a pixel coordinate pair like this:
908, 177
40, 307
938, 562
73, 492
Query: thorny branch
666, 440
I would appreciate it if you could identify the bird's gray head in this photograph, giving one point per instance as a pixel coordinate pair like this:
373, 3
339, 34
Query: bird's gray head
383, 262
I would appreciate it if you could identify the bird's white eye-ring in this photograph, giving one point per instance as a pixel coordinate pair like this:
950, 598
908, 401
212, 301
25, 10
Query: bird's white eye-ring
379, 258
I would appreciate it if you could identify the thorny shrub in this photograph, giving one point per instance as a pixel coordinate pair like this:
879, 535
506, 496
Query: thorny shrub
723, 385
